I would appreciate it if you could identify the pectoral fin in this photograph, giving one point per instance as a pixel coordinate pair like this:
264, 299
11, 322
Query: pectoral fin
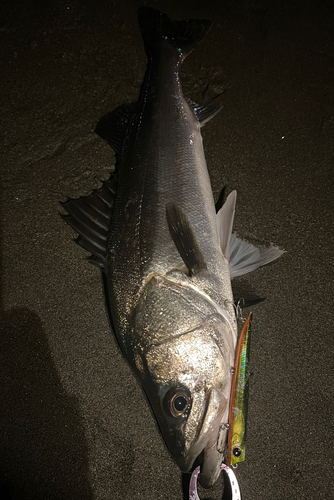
184, 239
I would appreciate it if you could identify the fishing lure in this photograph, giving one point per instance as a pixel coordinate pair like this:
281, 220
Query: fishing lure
239, 399
237, 419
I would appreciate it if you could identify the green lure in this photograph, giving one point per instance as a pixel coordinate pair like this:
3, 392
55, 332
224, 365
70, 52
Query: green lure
239, 399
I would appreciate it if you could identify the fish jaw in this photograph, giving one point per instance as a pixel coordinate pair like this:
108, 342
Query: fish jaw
212, 459
210, 444
197, 432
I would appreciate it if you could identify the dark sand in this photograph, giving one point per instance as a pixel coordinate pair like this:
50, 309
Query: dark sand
74, 423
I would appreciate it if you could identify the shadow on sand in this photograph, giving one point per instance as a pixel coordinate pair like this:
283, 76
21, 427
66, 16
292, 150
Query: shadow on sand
43, 452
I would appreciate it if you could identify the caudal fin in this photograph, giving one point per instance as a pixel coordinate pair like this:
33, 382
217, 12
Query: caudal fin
157, 29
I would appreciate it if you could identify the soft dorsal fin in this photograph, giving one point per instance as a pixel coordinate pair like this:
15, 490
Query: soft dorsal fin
184, 239
90, 216
225, 218
113, 126
204, 113
245, 257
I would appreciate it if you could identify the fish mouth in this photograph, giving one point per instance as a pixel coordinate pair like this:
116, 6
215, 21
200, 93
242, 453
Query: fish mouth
213, 438
211, 466
207, 449
210, 460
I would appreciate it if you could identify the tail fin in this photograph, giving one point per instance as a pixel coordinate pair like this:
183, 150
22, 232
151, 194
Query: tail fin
157, 29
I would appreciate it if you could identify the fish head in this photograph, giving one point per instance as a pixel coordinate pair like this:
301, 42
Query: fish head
185, 369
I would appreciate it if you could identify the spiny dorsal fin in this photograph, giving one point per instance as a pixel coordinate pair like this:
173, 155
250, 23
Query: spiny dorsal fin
113, 126
90, 217
225, 218
204, 113
184, 239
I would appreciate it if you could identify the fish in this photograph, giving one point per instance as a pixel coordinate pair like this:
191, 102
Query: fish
167, 258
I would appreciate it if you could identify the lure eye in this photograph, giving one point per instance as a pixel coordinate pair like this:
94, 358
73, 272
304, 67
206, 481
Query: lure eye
237, 452
178, 403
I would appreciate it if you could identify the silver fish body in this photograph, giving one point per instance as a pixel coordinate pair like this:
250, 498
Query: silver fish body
154, 232
178, 332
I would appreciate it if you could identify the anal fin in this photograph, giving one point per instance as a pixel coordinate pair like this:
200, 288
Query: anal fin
206, 112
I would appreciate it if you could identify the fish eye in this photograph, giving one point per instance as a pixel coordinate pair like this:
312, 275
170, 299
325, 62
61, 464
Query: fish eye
178, 403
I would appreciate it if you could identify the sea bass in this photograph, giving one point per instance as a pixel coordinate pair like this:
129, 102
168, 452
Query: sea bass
166, 256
